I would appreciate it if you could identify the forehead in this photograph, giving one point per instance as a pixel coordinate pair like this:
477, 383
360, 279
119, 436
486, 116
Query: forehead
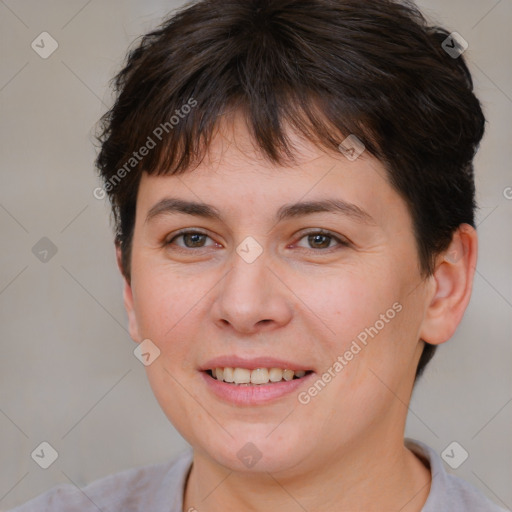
235, 176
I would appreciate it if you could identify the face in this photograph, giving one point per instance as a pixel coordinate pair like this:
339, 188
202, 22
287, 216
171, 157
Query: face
264, 285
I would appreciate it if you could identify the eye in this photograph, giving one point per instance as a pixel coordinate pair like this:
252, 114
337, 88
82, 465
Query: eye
322, 239
191, 239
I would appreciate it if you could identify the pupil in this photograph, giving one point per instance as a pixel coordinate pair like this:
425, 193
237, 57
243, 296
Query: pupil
196, 237
317, 239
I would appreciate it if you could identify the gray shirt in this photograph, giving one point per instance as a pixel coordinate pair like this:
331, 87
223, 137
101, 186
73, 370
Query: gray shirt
159, 488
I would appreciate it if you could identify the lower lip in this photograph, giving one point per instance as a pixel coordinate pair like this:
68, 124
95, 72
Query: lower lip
253, 394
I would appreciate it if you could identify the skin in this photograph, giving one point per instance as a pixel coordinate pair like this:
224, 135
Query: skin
301, 300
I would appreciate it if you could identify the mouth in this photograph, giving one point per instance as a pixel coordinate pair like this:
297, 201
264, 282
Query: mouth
257, 382
253, 381
256, 376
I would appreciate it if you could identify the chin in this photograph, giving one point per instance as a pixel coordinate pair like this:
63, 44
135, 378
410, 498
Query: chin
254, 450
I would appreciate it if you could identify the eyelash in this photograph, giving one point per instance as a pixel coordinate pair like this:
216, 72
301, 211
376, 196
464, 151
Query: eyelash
320, 232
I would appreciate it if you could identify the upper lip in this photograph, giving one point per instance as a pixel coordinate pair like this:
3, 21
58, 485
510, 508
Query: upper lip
251, 364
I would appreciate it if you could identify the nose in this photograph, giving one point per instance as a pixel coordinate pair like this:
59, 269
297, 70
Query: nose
252, 297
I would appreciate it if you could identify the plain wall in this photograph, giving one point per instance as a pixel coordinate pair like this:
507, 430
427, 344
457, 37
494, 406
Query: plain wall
67, 369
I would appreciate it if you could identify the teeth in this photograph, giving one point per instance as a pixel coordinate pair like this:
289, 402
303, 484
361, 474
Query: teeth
275, 374
257, 376
242, 376
288, 374
228, 375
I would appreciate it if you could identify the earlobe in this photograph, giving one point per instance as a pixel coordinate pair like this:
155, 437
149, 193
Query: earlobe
452, 285
128, 300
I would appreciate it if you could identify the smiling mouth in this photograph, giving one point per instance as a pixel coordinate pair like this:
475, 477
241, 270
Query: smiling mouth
258, 376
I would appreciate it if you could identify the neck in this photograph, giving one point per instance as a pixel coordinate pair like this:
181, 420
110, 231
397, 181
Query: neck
370, 476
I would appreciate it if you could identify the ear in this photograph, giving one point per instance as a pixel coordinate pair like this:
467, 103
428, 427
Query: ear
128, 299
452, 283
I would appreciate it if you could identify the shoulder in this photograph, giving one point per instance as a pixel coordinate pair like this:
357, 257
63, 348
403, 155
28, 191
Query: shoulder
467, 497
449, 492
157, 487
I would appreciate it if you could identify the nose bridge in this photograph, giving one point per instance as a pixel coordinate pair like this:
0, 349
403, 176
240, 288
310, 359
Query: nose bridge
250, 293
247, 283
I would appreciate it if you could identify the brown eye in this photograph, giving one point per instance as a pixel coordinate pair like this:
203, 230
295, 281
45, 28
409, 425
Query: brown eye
191, 240
322, 240
319, 241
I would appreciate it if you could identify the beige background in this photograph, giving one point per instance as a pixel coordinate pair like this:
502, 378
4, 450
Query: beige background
68, 374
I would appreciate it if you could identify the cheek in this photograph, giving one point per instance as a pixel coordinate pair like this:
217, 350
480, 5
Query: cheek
371, 349
171, 308
349, 303
162, 299
155, 305
371, 332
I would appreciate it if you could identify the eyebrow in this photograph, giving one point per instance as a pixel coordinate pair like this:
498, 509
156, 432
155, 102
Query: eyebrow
170, 205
